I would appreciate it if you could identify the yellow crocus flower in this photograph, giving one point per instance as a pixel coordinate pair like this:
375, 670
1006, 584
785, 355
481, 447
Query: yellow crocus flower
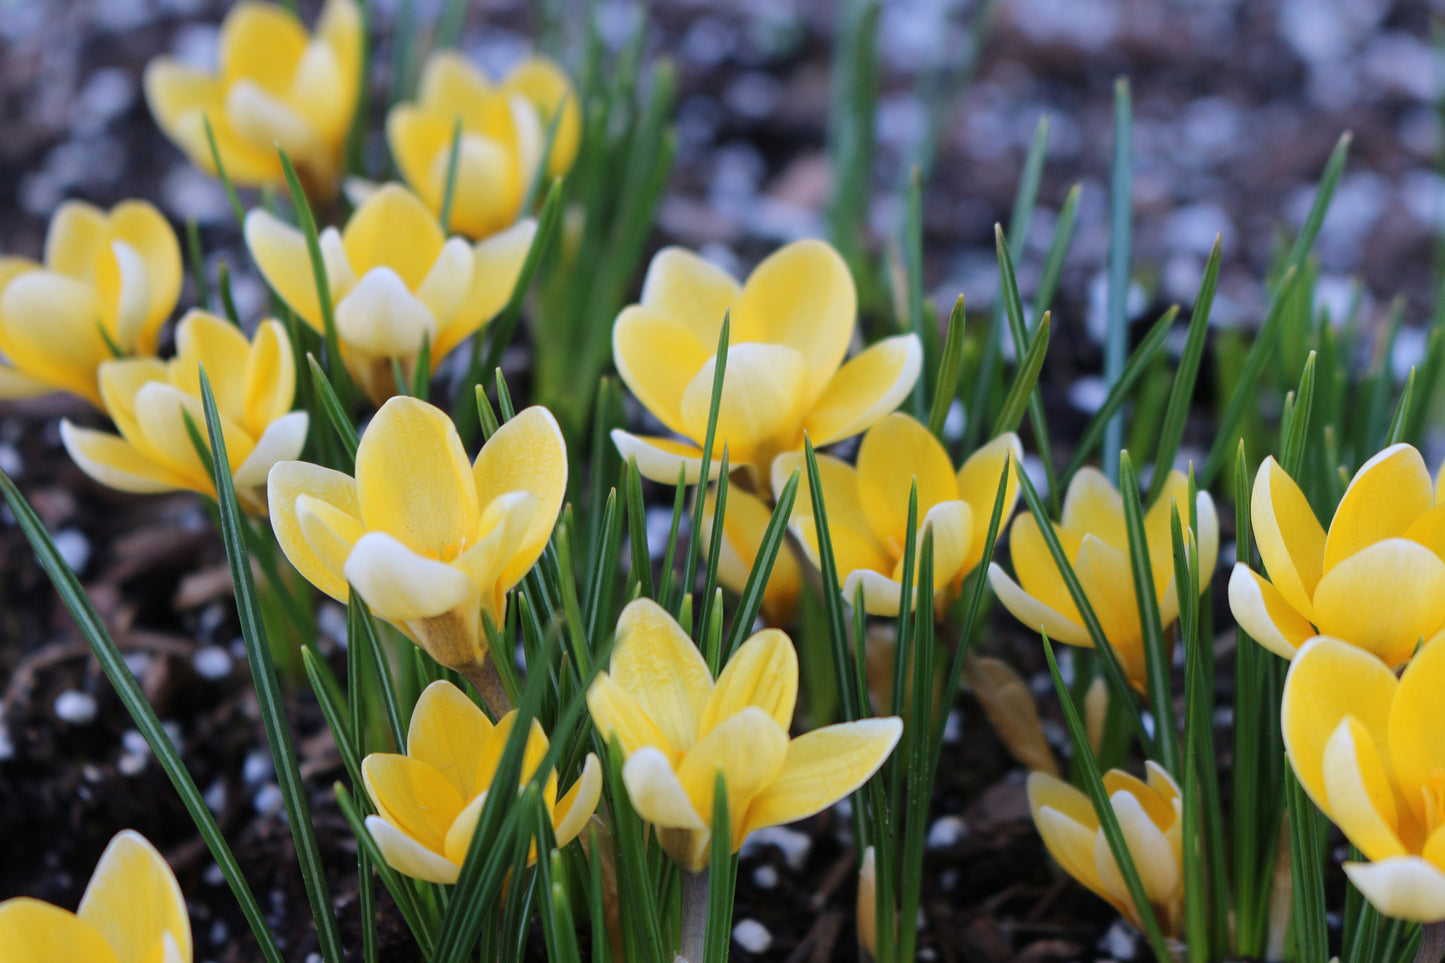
430, 540
1368, 749
1377, 579
108, 282
276, 86
868, 509
790, 327
429, 800
132, 911
1151, 817
254, 383
1093, 535
503, 134
396, 282
745, 520
678, 729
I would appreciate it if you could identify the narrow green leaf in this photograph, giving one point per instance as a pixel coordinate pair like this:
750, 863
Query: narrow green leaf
637, 530
234, 198
1014, 312
449, 190
774, 537
1025, 379
331, 405
1121, 240
719, 372
950, 367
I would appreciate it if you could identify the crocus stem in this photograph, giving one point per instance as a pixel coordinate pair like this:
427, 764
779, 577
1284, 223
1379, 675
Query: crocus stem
484, 677
694, 916
1432, 943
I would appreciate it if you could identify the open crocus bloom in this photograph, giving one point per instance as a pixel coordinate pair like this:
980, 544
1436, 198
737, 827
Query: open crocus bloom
1367, 748
428, 539
1094, 536
1377, 579
396, 282
868, 509
275, 87
132, 912
108, 283
1151, 817
789, 332
254, 383
745, 521
429, 800
678, 730
503, 134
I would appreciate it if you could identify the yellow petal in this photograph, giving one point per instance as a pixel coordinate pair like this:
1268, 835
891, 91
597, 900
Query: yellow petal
821, 767
1092, 505
896, 453
287, 482
269, 382
403, 586
866, 389
1034, 612
655, 661
1429, 530
548, 88
133, 900
663, 460
528, 454
1406, 888
1362, 802
1108, 582
1385, 598
749, 749
572, 811
414, 480
1151, 852
1159, 811
1290, 539
1264, 614
459, 837
802, 296
505, 521
658, 358
447, 732
330, 532
393, 229
78, 236
15, 386
1387, 494
978, 485
840, 489
617, 712
173, 90
451, 86
489, 185
744, 525
1071, 844
322, 91
1327, 681
495, 748
260, 117
1417, 744
49, 329
656, 792
416, 138
36, 932
447, 283
761, 404
688, 290
206, 341
412, 796
117, 463
262, 42
763, 672
409, 857
496, 267
146, 231
161, 411
280, 253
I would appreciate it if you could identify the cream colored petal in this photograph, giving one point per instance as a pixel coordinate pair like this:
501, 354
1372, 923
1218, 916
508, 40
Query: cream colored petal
1290, 539
496, 267
657, 359
286, 483
1035, 614
247, 164
1384, 598
685, 288
36, 932
1416, 741
117, 463
330, 533
1387, 494
866, 389
447, 732
459, 836
393, 229
401, 585
821, 767
133, 301
146, 231
1406, 888
663, 460
120, 380
1264, 614
322, 91
656, 793
1151, 852
749, 749
261, 117
280, 253
575, 808
409, 857
446, 285
505, 521
133, 900
655, 661
1071, 844
527, 453
952, 526
489, 184
1362, 801
382, 318
882, 596
978, 485
761, 404
763, 672
897, 453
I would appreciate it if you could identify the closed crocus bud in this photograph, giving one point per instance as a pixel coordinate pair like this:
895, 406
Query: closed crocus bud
108, 282
396, 282
1151, 817
678, 729
1386, 542
429, 540
503, 136
132, 911
791, 324
149, 400
428, 801
1367, 748
745, 520
276, 86
1094, 537
868, 510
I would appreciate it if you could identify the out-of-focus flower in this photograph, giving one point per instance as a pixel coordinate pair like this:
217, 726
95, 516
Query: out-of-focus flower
678, 730
503, 134
1094, 536
429, 799
428, 539
1367, 748
254, 383
789, 332
132, 912
745, 520
108, 283
1376, 580
396, 282
275, 87
866, 907
868, 509
1006, 699
1151, 817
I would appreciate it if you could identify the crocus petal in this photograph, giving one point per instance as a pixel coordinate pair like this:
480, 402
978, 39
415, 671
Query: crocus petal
693, 292
572, 811
393, 229
133, 899
821, 767
1291, 541
331, 533
412, 796
1416, 742
1385, 598
1055, 793
269, 382
414, 479
617, 712
463, 828
1005, 698
548, 89
36, 932
1151, 852
1264, 614
288, 481
1362, 801
1405, 887
840, 489
763, 673
116, 463
261, 117
49, 328
761, 401
206, 341
882, 596
489, 184
381, 317
896, 454
529, 454
1092, 504
656, 792
15, 386
1384, 498
261, 41
655, 660
978, 485
505, 521
496, 267
447, 732
282, 440
174, 90
409, 857
79, 234
1071, 844
247, 163
415, 139
280, 253
1107, 579
657, 358
663, 460
748, 749
495, 748
447, 283
1327, 681
744, 526
162, 412
866, 389
133, 296
1034, 613
802, 296
1429, 530
401, 585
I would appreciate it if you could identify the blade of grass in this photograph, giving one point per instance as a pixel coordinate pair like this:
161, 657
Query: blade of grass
950, 367
751, 600
1014, 312
1121, 240
1025, 378
719, 372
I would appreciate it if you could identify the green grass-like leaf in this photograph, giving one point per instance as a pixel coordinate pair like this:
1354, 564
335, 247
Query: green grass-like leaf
1121, 240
